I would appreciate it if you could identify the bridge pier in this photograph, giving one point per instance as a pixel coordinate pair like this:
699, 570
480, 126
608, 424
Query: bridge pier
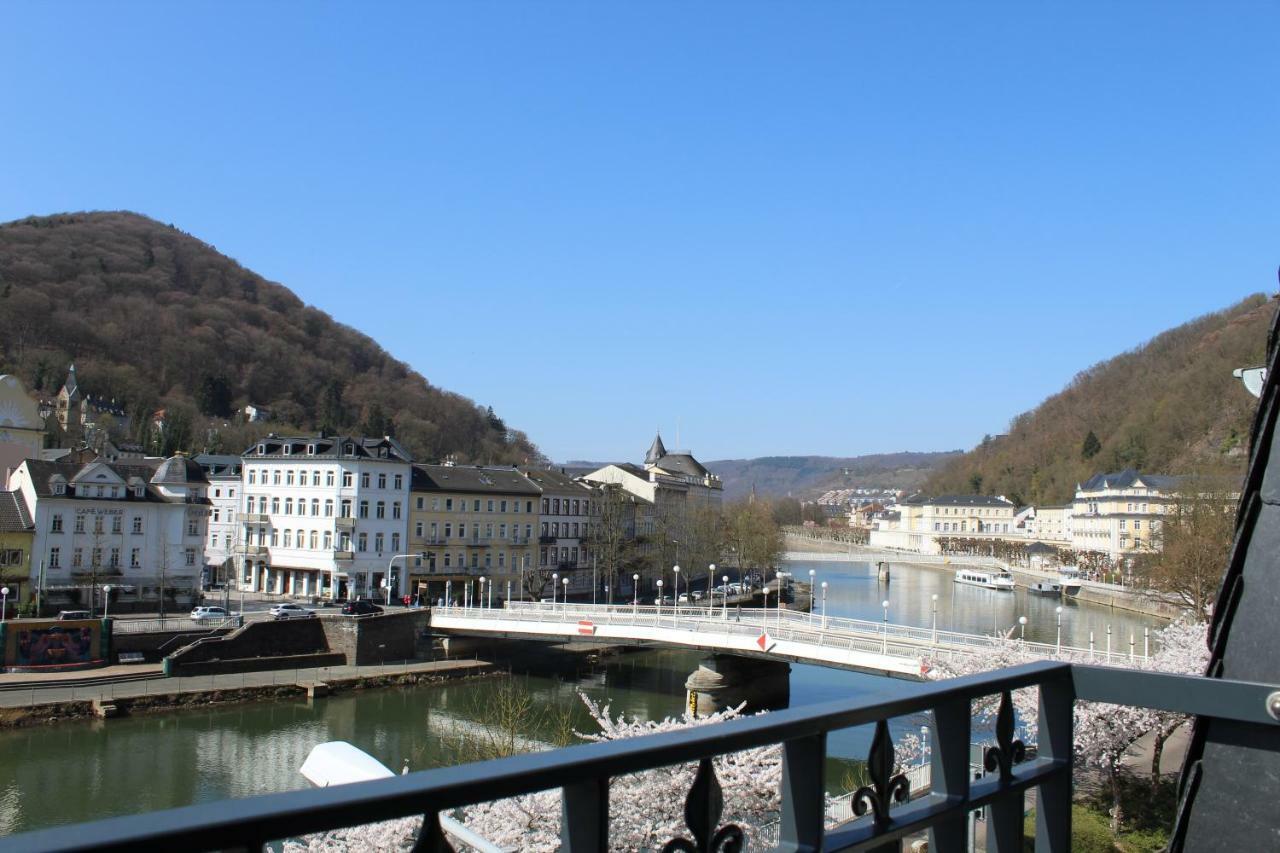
726, 681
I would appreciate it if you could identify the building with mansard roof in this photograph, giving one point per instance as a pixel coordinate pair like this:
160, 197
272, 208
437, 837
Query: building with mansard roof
324, 516
138, 528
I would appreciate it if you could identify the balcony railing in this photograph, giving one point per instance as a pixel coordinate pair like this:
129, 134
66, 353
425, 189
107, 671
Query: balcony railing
255, 518
345, 522
344, 555
583, 773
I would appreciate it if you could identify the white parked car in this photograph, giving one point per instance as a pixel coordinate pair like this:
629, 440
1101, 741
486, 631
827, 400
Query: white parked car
208, 614
291, 611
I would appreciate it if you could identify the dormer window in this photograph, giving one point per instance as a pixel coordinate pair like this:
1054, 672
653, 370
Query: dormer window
262, 450
137, 490
288, 450
59, 488
311, 450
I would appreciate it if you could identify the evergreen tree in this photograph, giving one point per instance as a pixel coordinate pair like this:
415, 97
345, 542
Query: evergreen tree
1090, 447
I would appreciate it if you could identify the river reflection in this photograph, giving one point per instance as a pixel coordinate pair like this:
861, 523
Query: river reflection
82, 770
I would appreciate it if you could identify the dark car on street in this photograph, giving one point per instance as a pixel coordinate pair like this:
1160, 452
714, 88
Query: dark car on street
360, 607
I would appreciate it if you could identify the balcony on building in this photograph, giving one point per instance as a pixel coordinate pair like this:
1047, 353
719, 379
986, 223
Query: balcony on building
344, 556
345, 522
255, 518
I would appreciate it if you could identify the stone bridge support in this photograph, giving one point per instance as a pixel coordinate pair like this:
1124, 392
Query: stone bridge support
726, 681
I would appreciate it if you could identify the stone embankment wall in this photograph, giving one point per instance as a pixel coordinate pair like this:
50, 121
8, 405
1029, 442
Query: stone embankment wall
374, 639
254, 647
156, 646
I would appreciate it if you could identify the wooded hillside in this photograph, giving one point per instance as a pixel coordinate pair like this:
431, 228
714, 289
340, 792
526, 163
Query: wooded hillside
1170, 406
153, 317
807, 477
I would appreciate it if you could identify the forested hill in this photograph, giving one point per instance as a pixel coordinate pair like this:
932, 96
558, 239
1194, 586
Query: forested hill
156, 318
1170, 406
807, 477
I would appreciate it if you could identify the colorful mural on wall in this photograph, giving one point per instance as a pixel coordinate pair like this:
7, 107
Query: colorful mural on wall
55, 644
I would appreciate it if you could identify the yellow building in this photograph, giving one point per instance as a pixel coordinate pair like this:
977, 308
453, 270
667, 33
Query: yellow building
468, 522
1119, 513
16, 534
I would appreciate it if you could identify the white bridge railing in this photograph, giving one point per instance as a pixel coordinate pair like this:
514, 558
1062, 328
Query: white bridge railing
807, 628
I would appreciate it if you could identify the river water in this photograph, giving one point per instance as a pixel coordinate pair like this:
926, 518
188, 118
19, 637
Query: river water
81, 770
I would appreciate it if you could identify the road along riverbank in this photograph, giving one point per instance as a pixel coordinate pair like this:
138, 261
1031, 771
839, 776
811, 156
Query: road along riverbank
1146, 602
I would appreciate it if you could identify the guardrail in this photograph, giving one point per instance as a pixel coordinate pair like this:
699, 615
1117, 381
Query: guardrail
583, 774
174, 623
812, 628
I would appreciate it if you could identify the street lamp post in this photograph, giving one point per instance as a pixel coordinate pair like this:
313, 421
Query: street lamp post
106, 601
635, 593
778, 576
507, 603
480, 605
935, 619
555, 582
565, 581
595, 581
884, 634
675, 570
813, 592
448, 594
711, 581
824, 604
1058, 610
4, 603
725, 580
659, 601
1022, 626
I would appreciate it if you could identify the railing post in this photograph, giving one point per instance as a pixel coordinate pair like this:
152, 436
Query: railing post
803, 793
949, 773
584, 816
1053, 797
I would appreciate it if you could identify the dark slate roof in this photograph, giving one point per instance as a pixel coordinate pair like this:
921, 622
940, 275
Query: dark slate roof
1040, 548
656, 451
682, 463
1126, 479
555, 480
42, 471
13, 514
968, 500
328, 447
219, 464
632, 468
179, 471
475, 479
915, 499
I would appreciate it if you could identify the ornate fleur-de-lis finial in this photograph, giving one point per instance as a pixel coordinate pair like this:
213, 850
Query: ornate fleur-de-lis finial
885, 788
431, 837
702, 810
1007, 751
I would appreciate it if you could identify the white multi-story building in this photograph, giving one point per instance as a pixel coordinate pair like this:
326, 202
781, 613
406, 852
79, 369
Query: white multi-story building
324, 515
918, 522
222, 543
1118, 513
136, 528
1050, 524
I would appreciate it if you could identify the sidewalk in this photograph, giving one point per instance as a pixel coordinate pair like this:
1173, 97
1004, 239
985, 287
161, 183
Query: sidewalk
204, 683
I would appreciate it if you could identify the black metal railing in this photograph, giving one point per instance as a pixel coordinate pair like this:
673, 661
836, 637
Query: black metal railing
584, 773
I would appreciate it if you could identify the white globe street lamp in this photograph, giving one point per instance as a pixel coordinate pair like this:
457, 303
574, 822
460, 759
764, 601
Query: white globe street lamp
1022, 625
659, 600
480, 604
635, 591
725, 580
565, 581
711, 581
555, 582
884, 636
935, 619
824, 604
676, 570
106, 601
1058, 610
813, 591
4, 602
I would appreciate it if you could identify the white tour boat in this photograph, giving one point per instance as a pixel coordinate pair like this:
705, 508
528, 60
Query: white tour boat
1069, 578
988, 580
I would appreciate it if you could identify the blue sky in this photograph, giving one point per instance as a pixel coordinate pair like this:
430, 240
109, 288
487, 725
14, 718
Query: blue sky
785, 228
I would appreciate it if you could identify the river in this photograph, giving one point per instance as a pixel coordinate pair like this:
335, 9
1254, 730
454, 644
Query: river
82, 770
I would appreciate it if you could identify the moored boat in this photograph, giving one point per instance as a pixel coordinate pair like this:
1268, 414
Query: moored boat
998, 580
1069, 580
1046, 588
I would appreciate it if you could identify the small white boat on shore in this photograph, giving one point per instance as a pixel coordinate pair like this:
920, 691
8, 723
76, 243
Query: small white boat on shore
1002, 581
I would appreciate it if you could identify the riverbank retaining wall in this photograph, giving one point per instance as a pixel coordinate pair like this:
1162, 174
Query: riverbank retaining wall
375, 639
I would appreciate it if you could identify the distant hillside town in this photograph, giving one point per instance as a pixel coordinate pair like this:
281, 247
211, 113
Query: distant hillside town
319, 516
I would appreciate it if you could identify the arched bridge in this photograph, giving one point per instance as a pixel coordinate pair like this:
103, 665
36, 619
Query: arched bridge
768, 633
